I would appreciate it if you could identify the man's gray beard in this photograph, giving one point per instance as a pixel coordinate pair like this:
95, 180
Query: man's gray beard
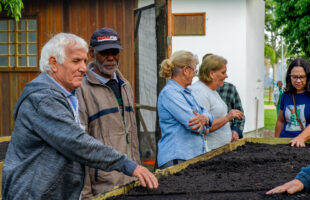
102, 70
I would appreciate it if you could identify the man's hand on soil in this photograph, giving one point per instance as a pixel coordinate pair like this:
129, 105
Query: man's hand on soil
289, 187
145, 177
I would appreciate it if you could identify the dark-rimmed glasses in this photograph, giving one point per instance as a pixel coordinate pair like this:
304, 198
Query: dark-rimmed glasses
296, 77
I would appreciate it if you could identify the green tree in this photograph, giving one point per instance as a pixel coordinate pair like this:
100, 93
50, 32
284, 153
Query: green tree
12, 7
273, 43
294, 17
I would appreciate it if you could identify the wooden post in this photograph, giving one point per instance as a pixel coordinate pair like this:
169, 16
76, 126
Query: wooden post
270, 91
137, 16
162, 53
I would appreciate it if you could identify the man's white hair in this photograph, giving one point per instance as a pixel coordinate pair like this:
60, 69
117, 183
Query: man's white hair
56, 47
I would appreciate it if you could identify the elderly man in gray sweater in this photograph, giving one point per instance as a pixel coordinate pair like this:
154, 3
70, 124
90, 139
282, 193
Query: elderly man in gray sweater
49, 148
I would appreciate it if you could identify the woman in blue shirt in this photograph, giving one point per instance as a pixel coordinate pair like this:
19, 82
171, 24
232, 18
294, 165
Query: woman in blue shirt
294, 114
182, 120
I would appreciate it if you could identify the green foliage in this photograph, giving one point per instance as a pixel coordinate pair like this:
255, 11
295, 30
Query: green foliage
270, 53
270, 24
13, 8
272, 36
294, 17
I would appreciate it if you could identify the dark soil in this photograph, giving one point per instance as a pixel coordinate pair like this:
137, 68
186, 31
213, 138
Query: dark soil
245, 173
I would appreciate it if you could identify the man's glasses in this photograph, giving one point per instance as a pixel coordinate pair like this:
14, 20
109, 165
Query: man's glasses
296, 77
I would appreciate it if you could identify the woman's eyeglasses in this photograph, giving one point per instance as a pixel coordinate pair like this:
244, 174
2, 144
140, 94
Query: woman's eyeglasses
194, 70
296, 77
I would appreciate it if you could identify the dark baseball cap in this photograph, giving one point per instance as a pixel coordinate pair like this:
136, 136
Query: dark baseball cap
105, 38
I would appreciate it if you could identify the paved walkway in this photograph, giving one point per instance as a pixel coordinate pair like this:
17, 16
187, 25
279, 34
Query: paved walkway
269, 107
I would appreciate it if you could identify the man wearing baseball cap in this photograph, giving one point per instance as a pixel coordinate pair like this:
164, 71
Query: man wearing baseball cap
106, 109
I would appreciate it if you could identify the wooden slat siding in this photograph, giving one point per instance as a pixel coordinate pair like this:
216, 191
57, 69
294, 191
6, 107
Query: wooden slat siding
65, 10
58, 17
92, 17
41, 24
116, 14
74, 20
5, 111
22, 80
84, 20
1, 100
49, 23
14, 95
132, 58
121, 27
127, 66
118, 25
33, 76
100, 15
110, 13
129, 36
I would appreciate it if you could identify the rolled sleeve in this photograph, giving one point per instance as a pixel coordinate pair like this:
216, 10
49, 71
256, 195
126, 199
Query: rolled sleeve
236, 129
210, 117
129, 167
304, 177
178, 107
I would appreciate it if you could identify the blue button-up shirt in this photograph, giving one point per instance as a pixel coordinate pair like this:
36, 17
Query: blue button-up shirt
175, 109
72, 99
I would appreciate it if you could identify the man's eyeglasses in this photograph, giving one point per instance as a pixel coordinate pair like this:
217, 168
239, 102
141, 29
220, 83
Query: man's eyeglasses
296, 77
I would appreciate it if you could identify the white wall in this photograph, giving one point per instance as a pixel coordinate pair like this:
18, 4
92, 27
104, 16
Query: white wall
234, 30
142, 3
255, 63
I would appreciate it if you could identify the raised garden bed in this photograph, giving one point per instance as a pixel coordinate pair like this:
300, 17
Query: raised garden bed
244, 173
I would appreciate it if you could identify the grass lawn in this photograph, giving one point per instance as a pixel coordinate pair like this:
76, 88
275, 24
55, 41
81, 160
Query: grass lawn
268, 103
270, 119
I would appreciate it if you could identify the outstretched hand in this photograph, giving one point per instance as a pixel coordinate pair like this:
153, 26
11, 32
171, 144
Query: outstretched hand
289, 187
145, 177
199, 121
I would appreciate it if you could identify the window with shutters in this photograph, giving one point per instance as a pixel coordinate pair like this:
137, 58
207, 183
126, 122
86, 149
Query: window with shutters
18, 44
188, 24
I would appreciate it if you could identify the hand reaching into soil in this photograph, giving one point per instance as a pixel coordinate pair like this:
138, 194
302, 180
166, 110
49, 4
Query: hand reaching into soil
199, 121
289, 187
145, 177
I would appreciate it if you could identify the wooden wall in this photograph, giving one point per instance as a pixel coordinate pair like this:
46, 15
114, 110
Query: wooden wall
80, 17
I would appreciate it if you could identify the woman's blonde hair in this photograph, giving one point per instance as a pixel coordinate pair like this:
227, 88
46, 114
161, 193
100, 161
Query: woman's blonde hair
210, 63
171, 66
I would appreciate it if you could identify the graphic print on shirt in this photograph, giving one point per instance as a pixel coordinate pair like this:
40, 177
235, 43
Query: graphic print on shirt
290, 116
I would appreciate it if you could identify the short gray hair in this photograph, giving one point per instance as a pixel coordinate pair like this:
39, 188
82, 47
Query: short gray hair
56, 47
